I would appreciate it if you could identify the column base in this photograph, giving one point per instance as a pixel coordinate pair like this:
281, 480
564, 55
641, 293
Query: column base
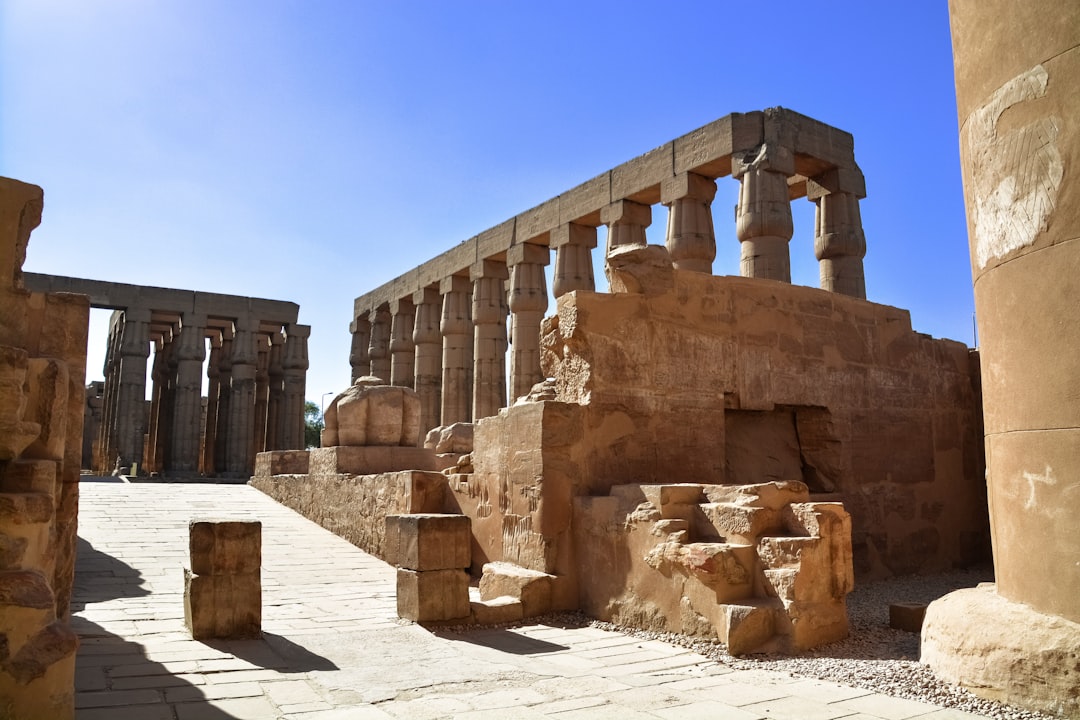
1004, 651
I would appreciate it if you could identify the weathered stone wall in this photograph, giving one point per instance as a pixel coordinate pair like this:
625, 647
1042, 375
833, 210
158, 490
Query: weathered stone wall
741, 381
355, 506
42, 399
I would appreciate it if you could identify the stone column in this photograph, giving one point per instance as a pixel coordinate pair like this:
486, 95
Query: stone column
691, 241
262, 391
213, 390
839, 243
428, 366
358, 353
221, 430
528, 301
456, 329
402, 347
1017, 69
379, 349
626, 223
489, 310
573, 245
165, 387
157, 391
239, 456
189, 353
763, 215
275, 421
294, 364
130, 415
107, 433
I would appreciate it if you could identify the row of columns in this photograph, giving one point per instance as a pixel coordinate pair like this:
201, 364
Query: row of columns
448, 341
255, 399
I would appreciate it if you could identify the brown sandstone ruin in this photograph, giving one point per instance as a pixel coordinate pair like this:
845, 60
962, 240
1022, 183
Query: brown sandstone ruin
1017, 66
683, 465
256, 369
42, 366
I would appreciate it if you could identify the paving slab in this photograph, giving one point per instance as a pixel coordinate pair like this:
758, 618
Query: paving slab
333, 647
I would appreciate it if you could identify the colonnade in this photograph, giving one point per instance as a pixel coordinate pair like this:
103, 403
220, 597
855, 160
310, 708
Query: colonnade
256, 377
442, 328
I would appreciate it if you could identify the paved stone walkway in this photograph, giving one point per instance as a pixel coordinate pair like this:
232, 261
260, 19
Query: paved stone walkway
333, 648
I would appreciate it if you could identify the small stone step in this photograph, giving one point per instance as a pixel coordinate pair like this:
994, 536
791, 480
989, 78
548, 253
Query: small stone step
496, 611
531, 587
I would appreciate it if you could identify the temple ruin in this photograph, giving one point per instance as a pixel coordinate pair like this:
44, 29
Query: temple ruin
682, 452
256, 373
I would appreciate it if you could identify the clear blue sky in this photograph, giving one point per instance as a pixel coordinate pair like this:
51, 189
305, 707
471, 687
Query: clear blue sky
311, 151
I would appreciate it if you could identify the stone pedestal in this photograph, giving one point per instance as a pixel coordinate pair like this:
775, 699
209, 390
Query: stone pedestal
431, 552
223, 586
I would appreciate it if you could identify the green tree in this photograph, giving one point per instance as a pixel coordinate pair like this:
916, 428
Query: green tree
313, 424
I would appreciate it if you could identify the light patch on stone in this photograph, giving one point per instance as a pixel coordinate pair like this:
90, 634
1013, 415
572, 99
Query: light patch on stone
1016, 175
1032, 479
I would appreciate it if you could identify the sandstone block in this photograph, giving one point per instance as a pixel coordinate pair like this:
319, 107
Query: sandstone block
373, 413
432, 596
531, 587
456, 438
281, 462
222, 606
907, 616
498, 610
225, 547
426, 542
370, 460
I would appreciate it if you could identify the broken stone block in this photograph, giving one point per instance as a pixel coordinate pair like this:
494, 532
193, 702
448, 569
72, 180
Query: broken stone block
281, 462
426, 542
373, 413
456, 438
432, 596
531, 587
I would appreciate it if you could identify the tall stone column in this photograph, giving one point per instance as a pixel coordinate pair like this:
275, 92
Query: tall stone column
360, 328
763, 214
839, 242
294, 364
379, 349
130, 418
107, 432
456, 329
189, 353
528, 301
157, 392
1017, 69
573, 245
275, 421
691, 241
224, 410
245, 355
402, 347
165, 395
262, 391
489, 310
626, 223
428, 367
213, 390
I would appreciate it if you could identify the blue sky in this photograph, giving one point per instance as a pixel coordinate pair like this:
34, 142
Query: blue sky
310, 151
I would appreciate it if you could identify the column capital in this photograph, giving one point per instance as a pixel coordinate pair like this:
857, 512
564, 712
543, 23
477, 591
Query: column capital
402, 305
768, 156
526, 253
455, 283
426, 295
489, 269
573, 234
687, 185
834, 181
626, 212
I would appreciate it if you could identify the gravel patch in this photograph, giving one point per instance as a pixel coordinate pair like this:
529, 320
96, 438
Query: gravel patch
873, 656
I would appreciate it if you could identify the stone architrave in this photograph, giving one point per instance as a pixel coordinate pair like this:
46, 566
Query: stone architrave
573, 245
691, 240
489, 311
379, 349
528, 302
428, 366
189, 353
402, 347
456, 328
763, 215
294, 365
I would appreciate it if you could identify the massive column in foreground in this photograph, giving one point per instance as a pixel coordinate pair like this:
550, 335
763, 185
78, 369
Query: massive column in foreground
239, 453
190, 351
1017, 73
294, 364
